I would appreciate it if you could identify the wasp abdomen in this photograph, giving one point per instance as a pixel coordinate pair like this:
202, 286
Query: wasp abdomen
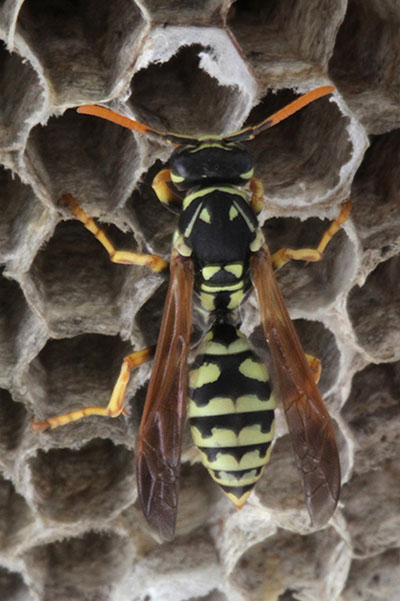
231, 411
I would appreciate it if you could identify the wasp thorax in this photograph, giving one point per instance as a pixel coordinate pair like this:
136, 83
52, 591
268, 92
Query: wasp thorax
211, 161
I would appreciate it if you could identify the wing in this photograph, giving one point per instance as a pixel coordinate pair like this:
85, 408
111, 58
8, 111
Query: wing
310, 426
160, 437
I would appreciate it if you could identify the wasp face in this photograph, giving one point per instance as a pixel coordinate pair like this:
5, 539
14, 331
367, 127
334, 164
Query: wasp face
211, 160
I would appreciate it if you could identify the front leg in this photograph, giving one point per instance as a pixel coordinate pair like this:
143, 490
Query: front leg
155, 262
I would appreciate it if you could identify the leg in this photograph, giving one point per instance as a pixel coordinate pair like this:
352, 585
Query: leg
116, 404
257, 197
164, 193
284, 255
155, 262
315, 366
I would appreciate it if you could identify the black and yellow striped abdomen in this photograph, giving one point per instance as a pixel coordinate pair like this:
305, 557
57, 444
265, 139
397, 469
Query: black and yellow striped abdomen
231, 411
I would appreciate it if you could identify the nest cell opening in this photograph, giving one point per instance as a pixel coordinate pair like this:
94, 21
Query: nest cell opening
15, 515
12, 421
90, 483
13, 312
181, 97
299, 160
285, 39
83, 45
72, 373
94, 287
363, 66
88, 157
374, 310
314, 286
373, 413
376, 191
83, 567
20, 96
12, 586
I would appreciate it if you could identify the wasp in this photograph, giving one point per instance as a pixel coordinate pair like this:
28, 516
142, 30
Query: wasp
219, 255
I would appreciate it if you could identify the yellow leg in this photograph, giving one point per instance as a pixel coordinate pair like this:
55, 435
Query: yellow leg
155, 262
116, 404
164, 193
315, 366
284, 255
257, 197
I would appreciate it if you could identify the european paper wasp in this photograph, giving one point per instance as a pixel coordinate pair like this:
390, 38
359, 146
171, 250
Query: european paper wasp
219, 255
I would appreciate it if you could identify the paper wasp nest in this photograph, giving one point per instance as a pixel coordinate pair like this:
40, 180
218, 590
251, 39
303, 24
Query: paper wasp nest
70, 527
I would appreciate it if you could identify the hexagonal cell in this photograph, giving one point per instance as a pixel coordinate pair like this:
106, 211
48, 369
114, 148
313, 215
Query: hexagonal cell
83, 46
364, 64
375, 195
12, 586
187, 568
21, 95
96, 288
24, 223
92, 483
320, 342
173, 86
13, 419
73, 373
374, 310
315, 567
77, 569
175, 12
279, 489
14, 316
88, 157
148, 318
299, 161
374, 578
286, 40
371, 508
373, 413
15, 517
314, 286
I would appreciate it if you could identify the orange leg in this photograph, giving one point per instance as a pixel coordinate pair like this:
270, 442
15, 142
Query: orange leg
163, 191
284, 255
315, 366
155, 262
117, 401
257, 197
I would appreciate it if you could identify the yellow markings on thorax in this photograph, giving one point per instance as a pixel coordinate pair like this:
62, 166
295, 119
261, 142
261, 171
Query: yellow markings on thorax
222, 287
209, 271
205, 374
176, 179
258, 241
254, 370
205, 191
235, 268
180, 244
224, 437
233, 212
205, 215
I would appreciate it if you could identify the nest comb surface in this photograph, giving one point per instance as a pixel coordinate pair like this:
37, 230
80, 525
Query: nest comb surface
70, 528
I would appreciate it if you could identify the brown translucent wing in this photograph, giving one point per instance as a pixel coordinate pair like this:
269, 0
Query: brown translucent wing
160, 437
310, 426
